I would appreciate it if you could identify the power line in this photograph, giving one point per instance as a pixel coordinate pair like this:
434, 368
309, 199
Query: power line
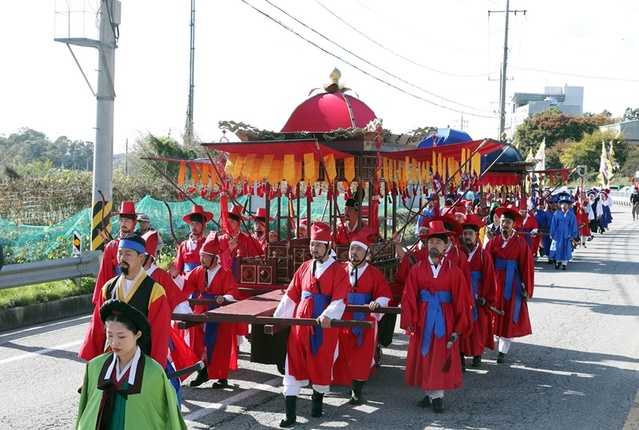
397, 55
577, 75
364, 71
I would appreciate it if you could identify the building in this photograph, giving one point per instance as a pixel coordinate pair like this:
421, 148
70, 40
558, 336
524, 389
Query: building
569, 100
628, 129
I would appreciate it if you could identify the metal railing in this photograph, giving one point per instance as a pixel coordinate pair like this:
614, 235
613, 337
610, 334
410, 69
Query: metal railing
18, 275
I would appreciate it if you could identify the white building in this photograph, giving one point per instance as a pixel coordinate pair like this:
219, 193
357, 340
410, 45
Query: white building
569, 100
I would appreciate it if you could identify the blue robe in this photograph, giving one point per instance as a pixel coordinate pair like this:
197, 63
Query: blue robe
544, 219
562, 229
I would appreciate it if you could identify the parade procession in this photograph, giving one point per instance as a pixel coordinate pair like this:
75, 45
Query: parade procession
327, 247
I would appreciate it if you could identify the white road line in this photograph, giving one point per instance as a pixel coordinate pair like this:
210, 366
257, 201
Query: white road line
212, 407
41, 352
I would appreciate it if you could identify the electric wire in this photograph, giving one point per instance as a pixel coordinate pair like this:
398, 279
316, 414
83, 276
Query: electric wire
368, 73
396, 54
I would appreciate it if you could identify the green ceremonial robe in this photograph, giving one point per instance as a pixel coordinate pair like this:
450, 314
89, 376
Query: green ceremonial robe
150, 403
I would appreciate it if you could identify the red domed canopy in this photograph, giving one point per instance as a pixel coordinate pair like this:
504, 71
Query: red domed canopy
329, 111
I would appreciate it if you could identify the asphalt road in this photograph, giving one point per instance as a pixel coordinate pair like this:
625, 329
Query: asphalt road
579, 370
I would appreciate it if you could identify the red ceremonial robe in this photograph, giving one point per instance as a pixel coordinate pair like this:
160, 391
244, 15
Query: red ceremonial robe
186, 259
157, 312
482, 269
246, 247
173, 292
517, 255
108, 263
224, 355
427, 371
357, 362
302, 363
529, 224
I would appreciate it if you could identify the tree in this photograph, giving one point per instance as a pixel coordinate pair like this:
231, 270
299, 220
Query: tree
631, 114
553, 126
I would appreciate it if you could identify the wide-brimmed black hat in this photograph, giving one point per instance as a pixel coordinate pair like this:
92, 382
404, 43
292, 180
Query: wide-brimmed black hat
120, 308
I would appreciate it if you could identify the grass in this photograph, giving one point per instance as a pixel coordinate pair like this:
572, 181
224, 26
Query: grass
41, 293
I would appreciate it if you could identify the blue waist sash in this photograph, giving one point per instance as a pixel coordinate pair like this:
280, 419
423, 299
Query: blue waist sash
210, 328
475, 277
190, 266
512, 274
359, 299
319, 304
435, 322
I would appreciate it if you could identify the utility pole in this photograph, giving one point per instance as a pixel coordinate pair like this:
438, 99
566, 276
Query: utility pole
102, 195
188, 132
504, 68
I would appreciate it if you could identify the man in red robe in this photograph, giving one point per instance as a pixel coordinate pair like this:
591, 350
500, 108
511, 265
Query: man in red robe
214, 342
368, 286
139, 290
482, 276
529, 224
109, 263
350, 226
235, 243
188, 253
514, 275
260, 229
436, 310
319, 289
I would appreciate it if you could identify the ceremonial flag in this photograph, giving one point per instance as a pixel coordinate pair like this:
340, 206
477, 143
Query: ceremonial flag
603, 166
540, 156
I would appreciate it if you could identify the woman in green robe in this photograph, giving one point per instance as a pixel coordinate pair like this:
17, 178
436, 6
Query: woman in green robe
124, 389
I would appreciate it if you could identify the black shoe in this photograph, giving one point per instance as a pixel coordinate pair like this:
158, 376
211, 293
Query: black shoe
425, 402
438, 405
476, 361
563, 267
501, 357
290, 419
583, 245
557, 266
356, 393
550, 261
222, 383
316, 404
463, 362
590, 238
201, 378
541, 252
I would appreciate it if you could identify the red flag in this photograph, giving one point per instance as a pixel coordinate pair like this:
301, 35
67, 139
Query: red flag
224, 213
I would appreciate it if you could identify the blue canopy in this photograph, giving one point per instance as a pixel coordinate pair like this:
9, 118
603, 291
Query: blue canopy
512, 155
445, 136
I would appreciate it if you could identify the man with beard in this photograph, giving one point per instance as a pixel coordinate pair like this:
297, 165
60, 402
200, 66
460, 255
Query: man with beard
259, 229
368, 286
188, 253
436, 310
136, 288
482, 276
514, 275
563, 230
109, 263
319, 289
214, 342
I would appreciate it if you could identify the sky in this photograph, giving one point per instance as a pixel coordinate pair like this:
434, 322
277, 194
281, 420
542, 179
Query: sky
415, 63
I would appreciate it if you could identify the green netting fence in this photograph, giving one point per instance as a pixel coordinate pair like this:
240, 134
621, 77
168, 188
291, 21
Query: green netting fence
24, 243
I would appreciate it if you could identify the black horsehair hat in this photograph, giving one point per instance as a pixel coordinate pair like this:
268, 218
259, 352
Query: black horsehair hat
119, 308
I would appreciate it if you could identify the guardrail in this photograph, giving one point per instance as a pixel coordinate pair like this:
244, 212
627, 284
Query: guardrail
18, 275
621, 198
